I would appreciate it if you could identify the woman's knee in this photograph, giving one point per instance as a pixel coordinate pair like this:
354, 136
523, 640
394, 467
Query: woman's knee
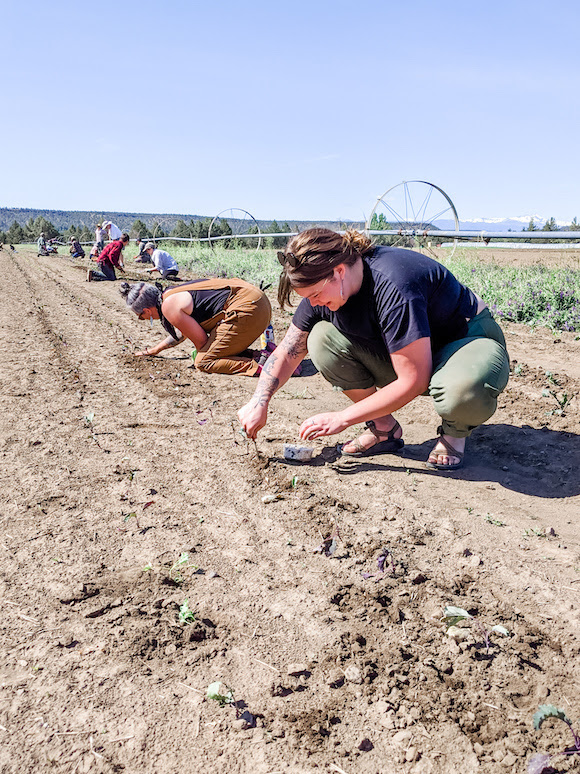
466, 388
205, 362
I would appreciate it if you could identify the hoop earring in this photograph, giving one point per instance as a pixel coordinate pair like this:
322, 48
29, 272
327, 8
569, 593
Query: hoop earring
341, 295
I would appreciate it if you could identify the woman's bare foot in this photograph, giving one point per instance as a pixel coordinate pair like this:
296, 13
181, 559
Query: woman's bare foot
442, 456
369, 439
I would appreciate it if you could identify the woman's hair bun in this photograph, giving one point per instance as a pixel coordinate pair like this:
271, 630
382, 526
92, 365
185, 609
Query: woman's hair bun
124, 289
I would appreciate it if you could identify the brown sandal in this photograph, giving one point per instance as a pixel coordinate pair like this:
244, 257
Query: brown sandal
451, 451
388, 446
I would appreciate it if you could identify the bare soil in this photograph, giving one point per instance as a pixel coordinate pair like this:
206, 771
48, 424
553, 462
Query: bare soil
114, 466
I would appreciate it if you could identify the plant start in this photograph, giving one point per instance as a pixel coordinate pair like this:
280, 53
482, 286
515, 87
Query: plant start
453, 615
541, 761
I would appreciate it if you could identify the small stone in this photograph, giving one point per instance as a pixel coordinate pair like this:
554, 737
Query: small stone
335, 678
509, 760
387, 721
419, 578
412, 754
401, 738
296, 669
498, 755
458, 634
271, 498
239, 725
353, 674
21, 662
478, 749
366, 745
170, 650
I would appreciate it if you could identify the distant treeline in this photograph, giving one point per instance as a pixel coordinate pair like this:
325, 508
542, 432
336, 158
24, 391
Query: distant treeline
24, 225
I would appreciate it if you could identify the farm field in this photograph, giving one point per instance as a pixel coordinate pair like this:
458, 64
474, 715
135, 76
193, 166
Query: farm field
127, 489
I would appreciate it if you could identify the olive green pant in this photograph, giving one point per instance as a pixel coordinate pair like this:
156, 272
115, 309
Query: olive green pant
468, 374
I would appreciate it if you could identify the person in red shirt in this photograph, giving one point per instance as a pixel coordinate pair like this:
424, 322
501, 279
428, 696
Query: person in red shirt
110, 259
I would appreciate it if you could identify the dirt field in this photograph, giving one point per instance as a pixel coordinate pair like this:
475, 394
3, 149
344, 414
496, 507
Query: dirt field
113, 467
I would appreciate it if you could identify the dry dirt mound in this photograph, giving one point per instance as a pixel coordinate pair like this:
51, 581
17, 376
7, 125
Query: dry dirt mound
128, 489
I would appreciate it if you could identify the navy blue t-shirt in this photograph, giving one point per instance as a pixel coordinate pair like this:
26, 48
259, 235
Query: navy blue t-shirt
404, 296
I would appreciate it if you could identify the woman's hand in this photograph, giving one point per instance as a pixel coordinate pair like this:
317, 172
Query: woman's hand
253, 418
330, 423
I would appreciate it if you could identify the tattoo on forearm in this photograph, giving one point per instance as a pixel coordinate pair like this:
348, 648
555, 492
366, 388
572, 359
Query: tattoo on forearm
267, 386
294, 342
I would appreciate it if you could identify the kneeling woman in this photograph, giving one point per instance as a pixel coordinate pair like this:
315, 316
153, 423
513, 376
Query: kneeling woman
384, 325
222, 317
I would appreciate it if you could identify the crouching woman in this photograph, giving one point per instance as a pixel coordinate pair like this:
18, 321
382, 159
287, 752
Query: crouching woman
221, 317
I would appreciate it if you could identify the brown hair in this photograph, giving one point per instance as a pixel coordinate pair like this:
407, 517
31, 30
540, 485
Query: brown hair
312, 255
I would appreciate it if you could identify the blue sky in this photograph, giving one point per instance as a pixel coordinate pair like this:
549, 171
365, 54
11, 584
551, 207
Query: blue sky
300, 110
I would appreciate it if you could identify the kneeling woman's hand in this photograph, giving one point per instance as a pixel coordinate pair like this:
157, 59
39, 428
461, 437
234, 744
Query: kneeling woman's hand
319, 425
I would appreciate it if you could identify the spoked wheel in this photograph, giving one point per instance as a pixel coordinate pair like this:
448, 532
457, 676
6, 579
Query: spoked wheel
230, 226
408, 210
156, 236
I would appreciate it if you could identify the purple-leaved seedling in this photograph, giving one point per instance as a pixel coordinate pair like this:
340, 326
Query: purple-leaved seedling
541, 761
452, 615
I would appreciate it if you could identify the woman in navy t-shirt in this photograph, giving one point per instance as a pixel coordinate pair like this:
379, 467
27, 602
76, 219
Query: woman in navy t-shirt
384, 325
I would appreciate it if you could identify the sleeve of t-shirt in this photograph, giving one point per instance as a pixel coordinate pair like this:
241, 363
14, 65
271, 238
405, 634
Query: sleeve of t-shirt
404, 324
306, 316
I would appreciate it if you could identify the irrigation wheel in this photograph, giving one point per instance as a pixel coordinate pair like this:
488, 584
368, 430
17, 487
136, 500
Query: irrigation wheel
240, 222
411, 208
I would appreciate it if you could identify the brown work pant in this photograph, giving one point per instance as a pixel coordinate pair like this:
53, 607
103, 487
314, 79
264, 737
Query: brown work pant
246, 315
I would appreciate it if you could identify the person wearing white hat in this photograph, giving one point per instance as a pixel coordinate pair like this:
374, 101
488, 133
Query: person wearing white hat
113, 231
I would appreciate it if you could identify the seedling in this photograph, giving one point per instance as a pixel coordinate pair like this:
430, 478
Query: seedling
534, 532
385, 562
541, 761
453, 615
178, 568
495, 522
294, 482
186, 615
221, 693
562, 400
329, 544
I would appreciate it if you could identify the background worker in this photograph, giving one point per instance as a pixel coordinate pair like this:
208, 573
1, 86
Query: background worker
112, 231
163, 263
76, 249
142, 256
110, 259
100, 235
221, 317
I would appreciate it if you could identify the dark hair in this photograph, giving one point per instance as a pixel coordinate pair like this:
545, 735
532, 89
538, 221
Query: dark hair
125, 237
312, 256
142, 295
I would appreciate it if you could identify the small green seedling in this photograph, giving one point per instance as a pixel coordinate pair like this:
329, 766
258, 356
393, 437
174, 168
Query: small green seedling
294, 482
220, 693
541, 761
541, 533
453, 615
178, 568
89, 418
186, 615
495, 522
563, 399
